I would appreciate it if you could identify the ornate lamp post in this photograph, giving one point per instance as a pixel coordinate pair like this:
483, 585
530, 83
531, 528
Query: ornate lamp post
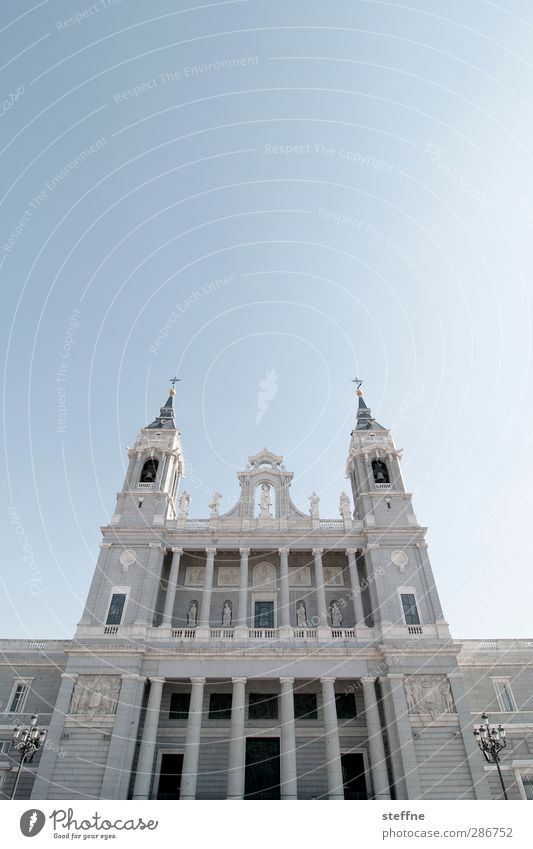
491, 741
27, 740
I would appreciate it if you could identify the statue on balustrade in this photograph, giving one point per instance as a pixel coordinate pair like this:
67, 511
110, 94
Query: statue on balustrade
192, 614
314, 502
344, 506
226, 614
184, 503
336, 615
214, 506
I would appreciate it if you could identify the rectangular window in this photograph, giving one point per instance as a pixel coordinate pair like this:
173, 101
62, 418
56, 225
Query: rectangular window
345, 706
505, 695
116, 609
220, 706
527, 781
263, 706
5, 746
410, 610
305, 706
18, 697
179, 706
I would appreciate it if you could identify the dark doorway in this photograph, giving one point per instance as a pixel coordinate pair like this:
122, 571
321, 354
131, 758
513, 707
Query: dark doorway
262, 768
353, 776
170, 777
264, 614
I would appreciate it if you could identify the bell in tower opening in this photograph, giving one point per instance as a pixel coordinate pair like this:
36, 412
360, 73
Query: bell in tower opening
381, 473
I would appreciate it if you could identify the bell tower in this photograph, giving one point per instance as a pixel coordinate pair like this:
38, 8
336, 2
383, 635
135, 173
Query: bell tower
155, 468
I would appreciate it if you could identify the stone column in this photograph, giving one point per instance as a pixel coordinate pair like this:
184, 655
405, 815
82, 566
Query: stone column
241, 628
205, 605
355, 587
331, 739
49, 754
189, 775
145, 765
320, 590
237, 744
127, 708
376, 748
475, 762
408, 784
172, 585
147, 592
285, 604
288, 741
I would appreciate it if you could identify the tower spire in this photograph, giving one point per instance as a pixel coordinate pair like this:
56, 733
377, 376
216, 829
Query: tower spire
365, 420
165, 420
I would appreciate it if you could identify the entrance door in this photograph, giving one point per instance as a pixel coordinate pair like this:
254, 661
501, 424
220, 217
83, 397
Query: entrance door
170, 777
353, 776
262, 768
264, 614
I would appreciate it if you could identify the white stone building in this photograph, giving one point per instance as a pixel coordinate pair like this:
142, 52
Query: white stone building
266, 652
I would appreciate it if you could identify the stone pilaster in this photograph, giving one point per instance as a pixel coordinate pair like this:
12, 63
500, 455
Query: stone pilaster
237, 745
172, 585
51, 749
376, 748
241, 628
357, 600
189, 775
331, 739
288, 741
202, 632
145, 765
285, 608
117, 770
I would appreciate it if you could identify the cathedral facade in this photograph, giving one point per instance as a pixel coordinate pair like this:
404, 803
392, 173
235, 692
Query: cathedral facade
266, 652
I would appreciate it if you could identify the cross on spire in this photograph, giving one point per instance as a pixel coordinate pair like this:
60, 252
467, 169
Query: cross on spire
358, 382
174, 380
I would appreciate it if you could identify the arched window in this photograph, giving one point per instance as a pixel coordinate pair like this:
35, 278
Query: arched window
149, 471
381, 473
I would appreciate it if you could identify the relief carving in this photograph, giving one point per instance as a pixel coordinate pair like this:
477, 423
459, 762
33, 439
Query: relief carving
95, 695
428, 694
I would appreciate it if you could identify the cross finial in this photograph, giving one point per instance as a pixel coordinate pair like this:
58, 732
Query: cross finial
174, 380
358, 382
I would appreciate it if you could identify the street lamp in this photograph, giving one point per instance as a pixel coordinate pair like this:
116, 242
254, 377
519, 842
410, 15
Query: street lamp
27, 740
491, 741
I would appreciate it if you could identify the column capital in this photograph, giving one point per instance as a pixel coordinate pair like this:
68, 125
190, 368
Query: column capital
284, 549
327, 679
286, 681
211, 550
244, 552
317, 552
239, 680
198, 680
367, 679
177, 549
351, 551
155, 545
156, 679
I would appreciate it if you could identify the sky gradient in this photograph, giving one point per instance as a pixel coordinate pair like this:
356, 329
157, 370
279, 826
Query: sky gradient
252, 194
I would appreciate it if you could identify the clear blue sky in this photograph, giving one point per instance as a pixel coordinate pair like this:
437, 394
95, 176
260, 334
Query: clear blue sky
357, 176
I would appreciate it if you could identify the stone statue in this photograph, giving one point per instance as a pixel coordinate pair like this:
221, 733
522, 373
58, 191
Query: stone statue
428, 694
226, 614
314, 501
301, 617
185, 501
344, 506
336, 615
192, 614
265, 502
215, 504
95, 695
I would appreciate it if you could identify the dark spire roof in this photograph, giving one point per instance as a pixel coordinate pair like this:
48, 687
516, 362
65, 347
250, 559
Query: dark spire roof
365, 420
165, 419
